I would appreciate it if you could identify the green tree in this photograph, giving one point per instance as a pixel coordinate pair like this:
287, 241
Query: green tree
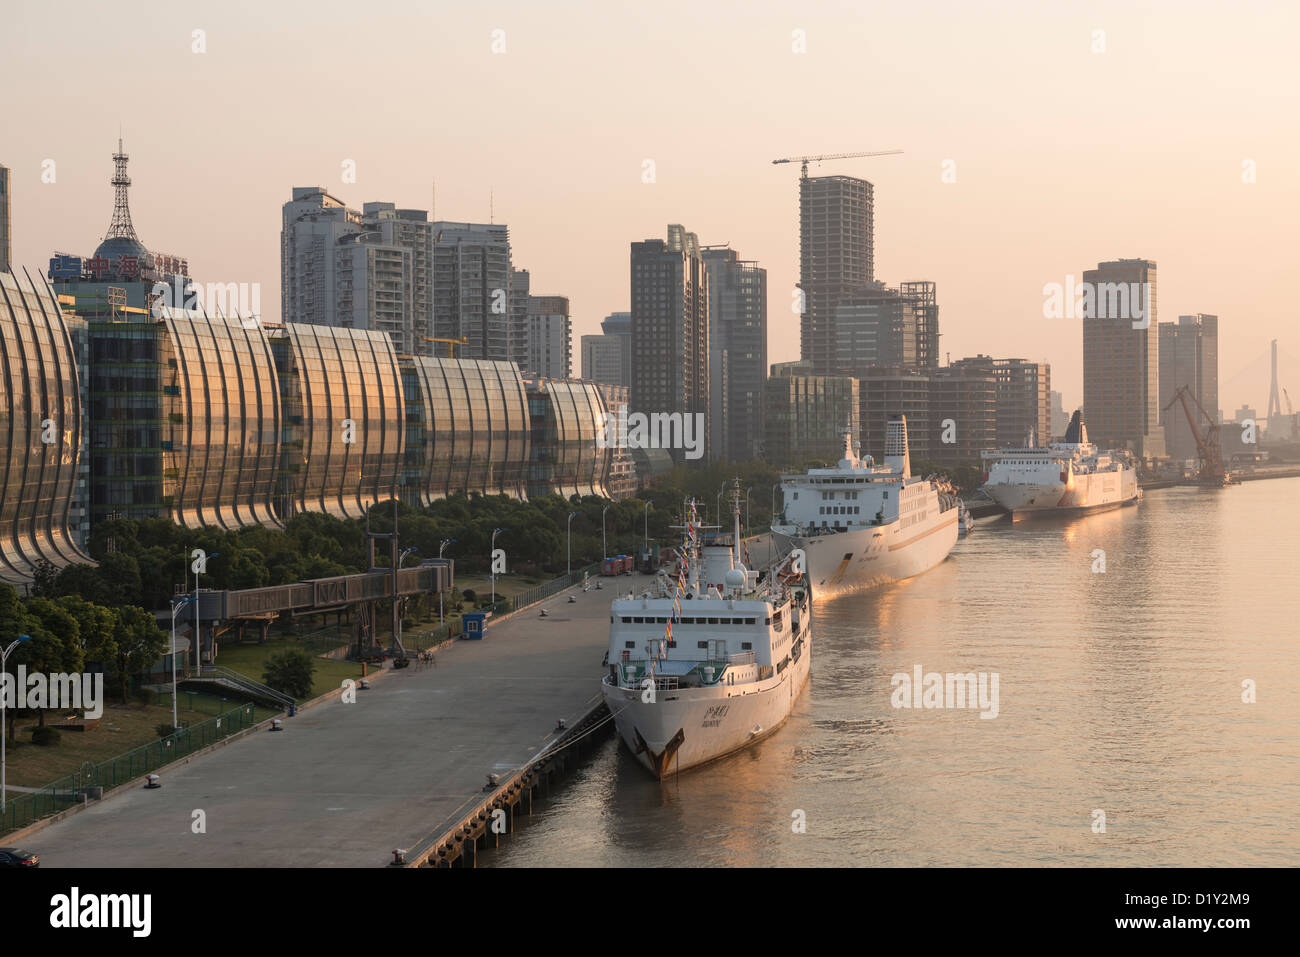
56, 645
140, 642
290, 672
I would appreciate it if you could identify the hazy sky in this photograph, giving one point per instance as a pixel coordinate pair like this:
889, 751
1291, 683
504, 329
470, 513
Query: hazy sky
1063, 156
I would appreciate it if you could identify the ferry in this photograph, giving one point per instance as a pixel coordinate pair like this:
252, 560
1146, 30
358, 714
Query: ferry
712, 658
1068, 477
860, 525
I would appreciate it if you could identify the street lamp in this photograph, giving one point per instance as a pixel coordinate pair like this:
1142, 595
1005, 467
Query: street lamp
4, 724
493, 564
401, 605
176, 606
647, 527
569, 529
604, 548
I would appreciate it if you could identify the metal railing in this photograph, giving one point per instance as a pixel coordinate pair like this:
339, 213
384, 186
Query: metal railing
242, 682
532, 596
93, 779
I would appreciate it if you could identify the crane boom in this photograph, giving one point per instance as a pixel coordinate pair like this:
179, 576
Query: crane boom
1208, 448
805, 160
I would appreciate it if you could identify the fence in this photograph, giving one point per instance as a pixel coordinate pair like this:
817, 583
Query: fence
532, 596
72, 789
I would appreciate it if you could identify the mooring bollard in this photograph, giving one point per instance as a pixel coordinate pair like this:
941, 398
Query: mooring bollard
399, 855
151, 781
276, 725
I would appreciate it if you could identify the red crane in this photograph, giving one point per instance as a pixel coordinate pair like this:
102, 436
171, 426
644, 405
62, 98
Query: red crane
1208, 448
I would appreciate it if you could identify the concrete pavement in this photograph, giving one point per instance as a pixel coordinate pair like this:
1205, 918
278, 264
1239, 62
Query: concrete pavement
344, 784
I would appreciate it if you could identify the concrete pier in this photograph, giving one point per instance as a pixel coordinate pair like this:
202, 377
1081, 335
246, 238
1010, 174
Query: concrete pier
344, 784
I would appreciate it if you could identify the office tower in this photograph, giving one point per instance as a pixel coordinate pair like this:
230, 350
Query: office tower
6, 211
1121, 407
963, 413
520, 281
836, 256
608, 357
670, 330
1189, 356
884, 392
806, 416
1060, 418
472, 286
371, 269
548, 332
1023, 398
737, 353
874, 325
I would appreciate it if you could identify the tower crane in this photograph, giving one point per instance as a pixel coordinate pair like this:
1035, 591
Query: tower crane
451, 343
805, 160
1208, 448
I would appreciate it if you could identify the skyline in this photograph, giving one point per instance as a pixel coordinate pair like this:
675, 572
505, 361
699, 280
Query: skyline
529, 142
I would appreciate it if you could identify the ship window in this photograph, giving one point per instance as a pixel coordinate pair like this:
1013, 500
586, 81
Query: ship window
629, 644
749, 621
671, 643
713, 621
627, 620
702, 644
746, 646
796, 496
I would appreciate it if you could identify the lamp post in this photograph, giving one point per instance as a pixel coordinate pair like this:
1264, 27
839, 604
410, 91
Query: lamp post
647, 527
198, 641
401, 559
441, 545
604, 548
4, 724
176, 607
493, 564
569, 529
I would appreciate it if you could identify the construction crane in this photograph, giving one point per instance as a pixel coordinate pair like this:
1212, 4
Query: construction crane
805, 160
1208, 448
451, 343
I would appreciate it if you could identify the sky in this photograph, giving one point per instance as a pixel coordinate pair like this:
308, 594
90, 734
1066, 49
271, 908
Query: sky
1070, 132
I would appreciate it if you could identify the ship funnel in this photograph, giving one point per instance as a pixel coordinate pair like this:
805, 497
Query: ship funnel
896, 457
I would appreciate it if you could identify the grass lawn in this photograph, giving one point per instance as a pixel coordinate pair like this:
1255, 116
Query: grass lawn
250, 659
121, 729
506, 584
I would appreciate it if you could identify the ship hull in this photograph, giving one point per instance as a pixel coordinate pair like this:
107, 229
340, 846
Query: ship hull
869, 557
1082, 494
687, 728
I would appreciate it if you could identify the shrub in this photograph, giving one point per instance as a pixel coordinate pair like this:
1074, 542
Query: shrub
46, 737
290, 672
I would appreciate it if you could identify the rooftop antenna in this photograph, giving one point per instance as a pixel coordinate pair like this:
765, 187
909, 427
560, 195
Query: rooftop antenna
120, 227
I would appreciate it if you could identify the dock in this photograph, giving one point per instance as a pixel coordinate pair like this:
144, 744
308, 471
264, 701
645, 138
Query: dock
344, 785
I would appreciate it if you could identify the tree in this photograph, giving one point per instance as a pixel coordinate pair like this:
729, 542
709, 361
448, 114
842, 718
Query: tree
140, 642
290, 672
56, 644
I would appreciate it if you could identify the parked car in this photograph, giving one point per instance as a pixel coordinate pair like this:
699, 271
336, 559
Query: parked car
15, 857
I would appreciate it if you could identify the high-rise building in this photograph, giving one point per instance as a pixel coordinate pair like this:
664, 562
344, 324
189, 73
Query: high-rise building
1189, 356
670, 330
884, 392
836, 256
6, 211
472, 288
548, 337
1121, 393
738, 353
608, 357
806, 416
520, 282
371, 269
874, 326
963, 413
1023, 400
1060, 418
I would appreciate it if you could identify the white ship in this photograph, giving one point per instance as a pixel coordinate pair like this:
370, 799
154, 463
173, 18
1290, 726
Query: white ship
860, 525
712, 659
1065, 477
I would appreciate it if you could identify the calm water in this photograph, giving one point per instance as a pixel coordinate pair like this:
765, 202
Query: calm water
1118, 691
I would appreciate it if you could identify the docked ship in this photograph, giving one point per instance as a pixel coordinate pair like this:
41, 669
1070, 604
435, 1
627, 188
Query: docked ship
711, 659
860, 525
1067, 477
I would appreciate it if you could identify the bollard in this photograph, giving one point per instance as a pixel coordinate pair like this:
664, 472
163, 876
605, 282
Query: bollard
151, 781
399, 855
365, 685
276, 726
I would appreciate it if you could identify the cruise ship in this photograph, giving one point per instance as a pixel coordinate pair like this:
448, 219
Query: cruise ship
860, 525
1066, 477
712, 658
